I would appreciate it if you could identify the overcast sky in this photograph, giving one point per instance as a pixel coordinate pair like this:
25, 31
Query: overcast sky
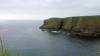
43, 9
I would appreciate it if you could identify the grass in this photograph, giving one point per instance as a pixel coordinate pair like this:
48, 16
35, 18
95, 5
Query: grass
3, 51
91, 23
52, 22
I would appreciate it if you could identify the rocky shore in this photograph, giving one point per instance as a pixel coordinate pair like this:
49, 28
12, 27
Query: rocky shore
84, 26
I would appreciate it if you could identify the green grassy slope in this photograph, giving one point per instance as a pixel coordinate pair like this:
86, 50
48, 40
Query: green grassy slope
88, 23
54, 22
91, 23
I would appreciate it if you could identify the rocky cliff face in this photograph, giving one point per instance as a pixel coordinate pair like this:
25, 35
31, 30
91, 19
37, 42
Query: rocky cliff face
52, 24
79, 25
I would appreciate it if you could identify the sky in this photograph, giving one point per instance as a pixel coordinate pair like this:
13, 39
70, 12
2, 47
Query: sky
43, 9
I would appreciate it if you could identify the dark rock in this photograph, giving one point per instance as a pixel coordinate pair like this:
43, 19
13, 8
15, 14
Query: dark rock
87, 26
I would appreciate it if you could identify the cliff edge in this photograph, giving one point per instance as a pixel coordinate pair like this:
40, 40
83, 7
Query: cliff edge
87, 26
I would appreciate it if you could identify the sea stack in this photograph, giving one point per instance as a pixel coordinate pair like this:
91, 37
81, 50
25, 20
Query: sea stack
87, 26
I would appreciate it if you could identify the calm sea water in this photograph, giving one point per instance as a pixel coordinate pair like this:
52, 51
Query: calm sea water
25, 38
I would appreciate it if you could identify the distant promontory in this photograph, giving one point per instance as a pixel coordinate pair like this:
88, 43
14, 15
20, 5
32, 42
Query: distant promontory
87, 26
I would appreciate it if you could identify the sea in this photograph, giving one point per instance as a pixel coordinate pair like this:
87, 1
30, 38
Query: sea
24, 38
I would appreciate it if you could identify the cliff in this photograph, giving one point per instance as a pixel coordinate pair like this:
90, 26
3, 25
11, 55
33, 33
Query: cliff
78, 25
52, 24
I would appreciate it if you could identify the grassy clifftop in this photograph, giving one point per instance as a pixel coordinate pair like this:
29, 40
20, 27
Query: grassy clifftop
79, 24
52, 22
87, 22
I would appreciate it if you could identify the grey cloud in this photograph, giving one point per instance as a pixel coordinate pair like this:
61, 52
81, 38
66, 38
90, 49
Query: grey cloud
50, 4
53, 7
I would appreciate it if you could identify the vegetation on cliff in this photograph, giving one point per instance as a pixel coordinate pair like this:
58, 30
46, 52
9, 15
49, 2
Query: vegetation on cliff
52, 24
82, 25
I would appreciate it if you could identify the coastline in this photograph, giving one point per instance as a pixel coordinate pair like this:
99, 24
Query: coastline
80, 26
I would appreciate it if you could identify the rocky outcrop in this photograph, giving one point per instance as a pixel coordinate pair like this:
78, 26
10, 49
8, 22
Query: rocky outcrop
52, 24
78, 25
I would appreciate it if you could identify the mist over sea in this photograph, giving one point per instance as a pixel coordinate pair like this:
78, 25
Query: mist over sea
25, 37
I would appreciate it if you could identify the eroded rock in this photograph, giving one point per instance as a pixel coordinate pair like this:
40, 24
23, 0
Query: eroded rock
78, 25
